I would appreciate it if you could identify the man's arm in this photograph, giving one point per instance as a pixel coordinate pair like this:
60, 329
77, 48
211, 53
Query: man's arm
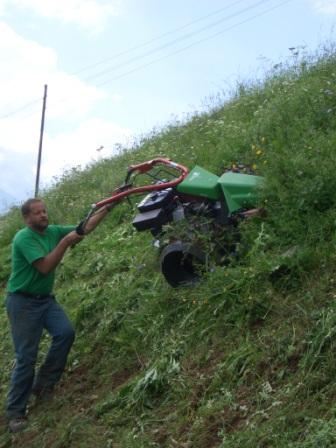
49, 262
97, 218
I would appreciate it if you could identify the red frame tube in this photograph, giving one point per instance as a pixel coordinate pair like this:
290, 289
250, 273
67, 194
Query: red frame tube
143, 168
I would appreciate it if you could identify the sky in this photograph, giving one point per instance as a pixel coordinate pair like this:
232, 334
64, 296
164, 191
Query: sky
117, 70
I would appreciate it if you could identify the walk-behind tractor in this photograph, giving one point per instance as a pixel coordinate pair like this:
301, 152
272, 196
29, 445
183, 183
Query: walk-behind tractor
193, 216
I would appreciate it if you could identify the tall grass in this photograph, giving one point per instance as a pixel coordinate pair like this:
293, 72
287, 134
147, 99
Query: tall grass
246, 357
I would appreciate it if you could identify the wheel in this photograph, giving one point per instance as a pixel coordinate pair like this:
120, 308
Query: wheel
180, 263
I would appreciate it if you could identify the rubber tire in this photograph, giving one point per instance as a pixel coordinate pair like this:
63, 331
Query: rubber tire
178, 263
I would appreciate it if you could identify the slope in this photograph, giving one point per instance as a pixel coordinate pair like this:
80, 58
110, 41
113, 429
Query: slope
245, 358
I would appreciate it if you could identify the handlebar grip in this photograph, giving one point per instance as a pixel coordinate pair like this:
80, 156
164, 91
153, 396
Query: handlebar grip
80, 228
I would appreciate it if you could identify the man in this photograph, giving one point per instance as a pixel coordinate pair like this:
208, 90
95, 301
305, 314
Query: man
31, 307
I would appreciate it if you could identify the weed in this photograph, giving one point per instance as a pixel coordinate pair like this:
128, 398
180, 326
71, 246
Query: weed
247, 356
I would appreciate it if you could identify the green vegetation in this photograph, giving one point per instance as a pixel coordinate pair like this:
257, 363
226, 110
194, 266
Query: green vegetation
247, 357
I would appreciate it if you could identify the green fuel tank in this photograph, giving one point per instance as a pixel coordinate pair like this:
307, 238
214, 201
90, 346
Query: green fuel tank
201, 182
239, 190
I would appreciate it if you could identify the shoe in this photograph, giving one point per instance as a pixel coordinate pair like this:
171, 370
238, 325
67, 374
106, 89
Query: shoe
17, 424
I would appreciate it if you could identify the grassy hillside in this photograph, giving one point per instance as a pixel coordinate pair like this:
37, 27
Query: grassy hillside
243, 359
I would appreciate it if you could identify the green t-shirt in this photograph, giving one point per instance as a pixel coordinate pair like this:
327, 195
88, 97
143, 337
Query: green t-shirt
28, 246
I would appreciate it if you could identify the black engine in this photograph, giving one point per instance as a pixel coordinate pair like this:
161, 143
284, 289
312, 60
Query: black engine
180, 259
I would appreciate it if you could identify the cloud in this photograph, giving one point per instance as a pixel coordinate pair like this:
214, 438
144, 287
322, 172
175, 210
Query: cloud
325, 6
17, 173
2, 7
89, 14
60, 152
79, 146
26, 66
72, 133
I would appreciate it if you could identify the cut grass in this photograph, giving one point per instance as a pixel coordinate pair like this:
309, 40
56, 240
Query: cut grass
245, 358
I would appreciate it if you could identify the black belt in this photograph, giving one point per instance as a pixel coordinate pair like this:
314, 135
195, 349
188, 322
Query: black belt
35, 296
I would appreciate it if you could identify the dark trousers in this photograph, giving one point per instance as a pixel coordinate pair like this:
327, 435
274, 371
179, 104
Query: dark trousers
28, 317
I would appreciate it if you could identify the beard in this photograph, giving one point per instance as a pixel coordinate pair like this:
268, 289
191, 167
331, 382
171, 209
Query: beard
41, 225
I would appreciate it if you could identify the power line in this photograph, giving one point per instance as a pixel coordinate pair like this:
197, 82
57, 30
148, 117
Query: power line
20, 109
133, 49
177, 40
161, 36
197, 42
171, 43
194, 43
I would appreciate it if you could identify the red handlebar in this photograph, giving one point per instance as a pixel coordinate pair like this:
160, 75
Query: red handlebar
143, 168
146, 166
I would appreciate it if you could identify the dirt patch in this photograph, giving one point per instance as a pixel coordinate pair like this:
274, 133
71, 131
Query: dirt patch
293, 362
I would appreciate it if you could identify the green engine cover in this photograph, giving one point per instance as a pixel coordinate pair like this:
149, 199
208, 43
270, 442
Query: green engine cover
201, 182
240, 190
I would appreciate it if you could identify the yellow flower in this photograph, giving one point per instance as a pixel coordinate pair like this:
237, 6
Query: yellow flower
254, 166
263, 139
259, 152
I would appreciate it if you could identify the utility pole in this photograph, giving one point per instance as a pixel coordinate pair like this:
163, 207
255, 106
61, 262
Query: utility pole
40, 144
